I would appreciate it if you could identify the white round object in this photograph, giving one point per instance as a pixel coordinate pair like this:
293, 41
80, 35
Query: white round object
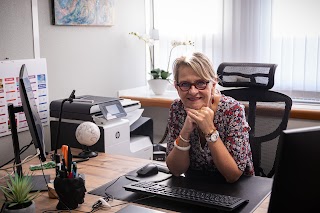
87, 133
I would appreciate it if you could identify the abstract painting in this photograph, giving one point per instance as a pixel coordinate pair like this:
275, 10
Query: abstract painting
84, 12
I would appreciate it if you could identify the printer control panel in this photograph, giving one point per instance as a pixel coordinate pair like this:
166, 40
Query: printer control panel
112, 109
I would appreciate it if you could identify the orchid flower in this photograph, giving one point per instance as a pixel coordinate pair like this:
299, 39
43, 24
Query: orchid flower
148, 41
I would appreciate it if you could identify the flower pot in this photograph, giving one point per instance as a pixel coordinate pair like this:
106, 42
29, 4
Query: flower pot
158, 86
29, 209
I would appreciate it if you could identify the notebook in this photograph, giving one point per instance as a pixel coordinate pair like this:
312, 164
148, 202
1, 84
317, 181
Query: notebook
134, 209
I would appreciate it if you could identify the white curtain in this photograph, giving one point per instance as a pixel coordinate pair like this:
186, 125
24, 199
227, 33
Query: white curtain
245, 31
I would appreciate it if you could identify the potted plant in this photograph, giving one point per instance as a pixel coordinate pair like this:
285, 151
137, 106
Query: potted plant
17, 194
159, 78
159, 82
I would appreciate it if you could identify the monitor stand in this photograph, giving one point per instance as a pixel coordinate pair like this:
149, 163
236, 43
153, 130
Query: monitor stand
38, 181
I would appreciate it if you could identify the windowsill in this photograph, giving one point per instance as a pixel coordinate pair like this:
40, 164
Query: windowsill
148, 99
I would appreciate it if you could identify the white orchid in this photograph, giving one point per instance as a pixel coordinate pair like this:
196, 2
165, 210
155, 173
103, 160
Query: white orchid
144, 37
150, 42
174, 44
157, 73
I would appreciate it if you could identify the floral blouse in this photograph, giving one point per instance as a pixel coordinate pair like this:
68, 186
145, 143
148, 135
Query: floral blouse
233, 129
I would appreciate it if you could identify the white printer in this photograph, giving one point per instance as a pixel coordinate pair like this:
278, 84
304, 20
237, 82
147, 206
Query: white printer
123, 130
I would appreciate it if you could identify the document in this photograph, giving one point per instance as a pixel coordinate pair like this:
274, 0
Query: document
133, 116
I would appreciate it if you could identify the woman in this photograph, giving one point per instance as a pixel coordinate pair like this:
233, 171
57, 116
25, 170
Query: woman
207, 131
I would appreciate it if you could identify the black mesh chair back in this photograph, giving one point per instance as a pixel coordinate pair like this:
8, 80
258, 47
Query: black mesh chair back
267, 111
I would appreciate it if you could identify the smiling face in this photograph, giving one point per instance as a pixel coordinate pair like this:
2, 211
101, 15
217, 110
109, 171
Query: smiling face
193, 98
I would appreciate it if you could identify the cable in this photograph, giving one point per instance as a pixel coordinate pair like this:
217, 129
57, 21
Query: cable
25, 147
70, 99
98, 205
22, 150
56, 210
6, 176
23, 162
120, 204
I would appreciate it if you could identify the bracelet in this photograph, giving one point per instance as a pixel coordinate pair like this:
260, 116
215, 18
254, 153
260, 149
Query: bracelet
184, 140
180, 147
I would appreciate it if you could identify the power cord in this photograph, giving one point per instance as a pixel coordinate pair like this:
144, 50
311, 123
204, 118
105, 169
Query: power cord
22, 150
23, 162
102, 201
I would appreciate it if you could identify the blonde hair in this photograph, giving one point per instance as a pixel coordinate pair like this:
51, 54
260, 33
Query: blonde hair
200, 63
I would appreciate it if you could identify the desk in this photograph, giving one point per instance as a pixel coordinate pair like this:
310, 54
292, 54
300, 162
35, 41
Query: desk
98, 171
148, 99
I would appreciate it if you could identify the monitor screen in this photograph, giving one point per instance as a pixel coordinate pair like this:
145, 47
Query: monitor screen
296, 184
31, 111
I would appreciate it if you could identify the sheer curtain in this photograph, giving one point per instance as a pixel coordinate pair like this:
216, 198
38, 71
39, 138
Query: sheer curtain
245, 31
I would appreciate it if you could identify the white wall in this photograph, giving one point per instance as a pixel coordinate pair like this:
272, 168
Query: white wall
16, 41
91, 60
94, 60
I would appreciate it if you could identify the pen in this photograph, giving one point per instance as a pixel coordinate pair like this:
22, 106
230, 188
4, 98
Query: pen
64, 165
75, 170
69, 161
58, 164
70, 174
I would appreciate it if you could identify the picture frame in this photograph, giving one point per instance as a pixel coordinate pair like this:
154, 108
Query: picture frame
84, 12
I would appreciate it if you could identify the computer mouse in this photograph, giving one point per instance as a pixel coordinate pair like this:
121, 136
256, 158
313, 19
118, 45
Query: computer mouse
148, 170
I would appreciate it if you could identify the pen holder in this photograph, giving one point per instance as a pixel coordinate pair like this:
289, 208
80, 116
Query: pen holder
71, 192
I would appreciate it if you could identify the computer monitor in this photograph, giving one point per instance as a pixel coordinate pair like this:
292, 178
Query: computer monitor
296, 184
29, 107
31, 112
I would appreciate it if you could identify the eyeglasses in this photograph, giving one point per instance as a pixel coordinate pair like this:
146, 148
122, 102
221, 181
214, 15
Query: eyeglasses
185, 85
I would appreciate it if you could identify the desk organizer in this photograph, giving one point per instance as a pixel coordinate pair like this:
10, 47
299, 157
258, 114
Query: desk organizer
71, 192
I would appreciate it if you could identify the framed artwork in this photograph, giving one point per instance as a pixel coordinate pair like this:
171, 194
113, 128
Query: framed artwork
83, 12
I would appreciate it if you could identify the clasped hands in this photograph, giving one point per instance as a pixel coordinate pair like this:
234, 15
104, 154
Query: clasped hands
202, 118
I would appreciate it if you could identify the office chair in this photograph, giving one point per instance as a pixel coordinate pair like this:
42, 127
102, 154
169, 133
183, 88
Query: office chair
267, 111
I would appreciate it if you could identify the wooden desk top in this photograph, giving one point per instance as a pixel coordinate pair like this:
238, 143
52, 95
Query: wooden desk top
98, 171
148, 99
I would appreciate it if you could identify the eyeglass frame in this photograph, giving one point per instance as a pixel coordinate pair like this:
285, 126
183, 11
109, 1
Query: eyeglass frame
193, 84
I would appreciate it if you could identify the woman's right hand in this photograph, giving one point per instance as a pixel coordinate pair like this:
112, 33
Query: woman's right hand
189, 124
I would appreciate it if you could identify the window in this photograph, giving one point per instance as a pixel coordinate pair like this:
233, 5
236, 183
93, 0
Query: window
247, 31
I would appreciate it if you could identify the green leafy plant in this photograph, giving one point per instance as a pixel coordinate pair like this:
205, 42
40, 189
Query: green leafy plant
17, 191
159, 74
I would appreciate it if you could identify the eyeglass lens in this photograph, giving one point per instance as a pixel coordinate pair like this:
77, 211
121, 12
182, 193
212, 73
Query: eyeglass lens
200, 85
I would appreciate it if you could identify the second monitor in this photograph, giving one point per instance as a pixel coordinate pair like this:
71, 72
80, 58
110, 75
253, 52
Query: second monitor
296, 184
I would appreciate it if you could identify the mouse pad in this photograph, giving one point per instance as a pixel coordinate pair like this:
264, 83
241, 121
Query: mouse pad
255, 189
115, 187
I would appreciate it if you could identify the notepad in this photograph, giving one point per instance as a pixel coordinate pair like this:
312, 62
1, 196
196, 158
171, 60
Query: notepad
133, 209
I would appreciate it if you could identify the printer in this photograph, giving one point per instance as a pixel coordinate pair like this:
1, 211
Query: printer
123, 130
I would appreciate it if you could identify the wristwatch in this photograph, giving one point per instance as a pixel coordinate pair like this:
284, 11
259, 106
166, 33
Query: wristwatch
213, 136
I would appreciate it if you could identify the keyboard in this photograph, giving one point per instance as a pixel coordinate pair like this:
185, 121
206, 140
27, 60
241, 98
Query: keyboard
207, 199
